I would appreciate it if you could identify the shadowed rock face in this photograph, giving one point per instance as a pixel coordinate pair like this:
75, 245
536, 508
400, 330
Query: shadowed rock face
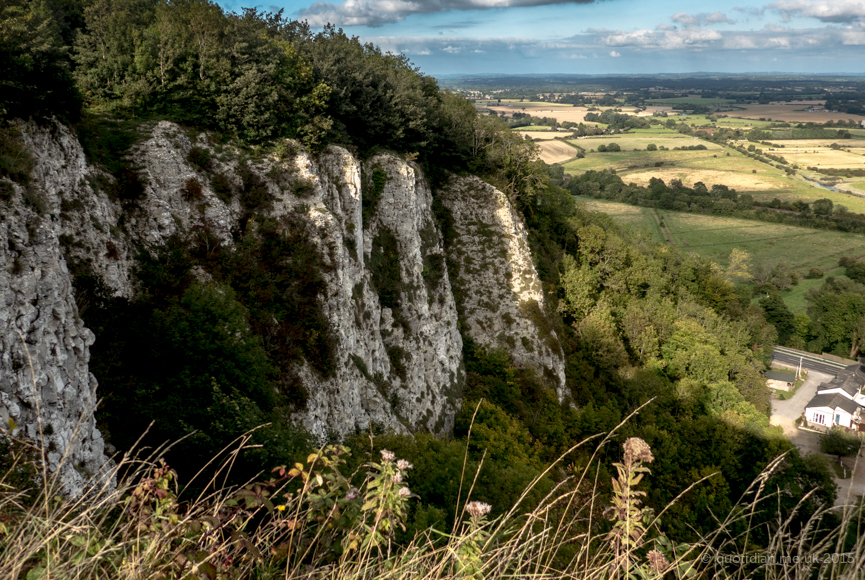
397, 347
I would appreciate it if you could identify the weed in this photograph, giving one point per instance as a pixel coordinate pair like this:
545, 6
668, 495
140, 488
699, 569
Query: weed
200, 158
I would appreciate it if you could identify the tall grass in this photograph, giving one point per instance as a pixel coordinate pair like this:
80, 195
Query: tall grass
310, 521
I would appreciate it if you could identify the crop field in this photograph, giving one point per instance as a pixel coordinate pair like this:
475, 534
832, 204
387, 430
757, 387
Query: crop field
689, 101
714, 166
816, 152
556, 151
714, 237
792, 112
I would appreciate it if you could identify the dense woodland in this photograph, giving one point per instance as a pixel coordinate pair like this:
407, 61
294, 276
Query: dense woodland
639, 322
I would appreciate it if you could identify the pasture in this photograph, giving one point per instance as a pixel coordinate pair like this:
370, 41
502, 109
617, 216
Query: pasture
720, 165
714, 237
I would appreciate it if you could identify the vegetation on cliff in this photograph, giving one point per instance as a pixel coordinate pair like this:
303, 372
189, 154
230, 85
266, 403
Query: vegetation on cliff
642, 326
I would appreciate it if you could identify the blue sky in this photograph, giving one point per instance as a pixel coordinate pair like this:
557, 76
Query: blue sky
602, 37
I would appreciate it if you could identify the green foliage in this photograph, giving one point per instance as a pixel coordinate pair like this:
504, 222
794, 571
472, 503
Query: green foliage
836, 311
839, 442
778, 315
372, 195
35, 74
384, 266
16, 162
856, 272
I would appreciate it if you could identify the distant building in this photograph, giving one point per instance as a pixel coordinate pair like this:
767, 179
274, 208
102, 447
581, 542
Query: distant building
840, 401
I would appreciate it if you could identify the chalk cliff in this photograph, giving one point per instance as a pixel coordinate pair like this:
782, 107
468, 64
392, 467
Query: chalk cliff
398, 358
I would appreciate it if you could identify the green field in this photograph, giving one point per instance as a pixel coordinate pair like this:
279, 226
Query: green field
715, 165
689, 101
714, 237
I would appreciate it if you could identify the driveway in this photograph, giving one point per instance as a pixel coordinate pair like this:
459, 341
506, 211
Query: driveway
785, 413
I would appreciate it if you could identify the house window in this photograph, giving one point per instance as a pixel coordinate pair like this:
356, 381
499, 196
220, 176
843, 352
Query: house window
819, 418
837, 419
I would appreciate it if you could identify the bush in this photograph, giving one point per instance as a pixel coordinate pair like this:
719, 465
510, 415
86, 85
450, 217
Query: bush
651, 147
814, 274
856, 272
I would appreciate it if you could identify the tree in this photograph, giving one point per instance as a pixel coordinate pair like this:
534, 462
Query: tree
651, 147
840, 443
822, 207
739, 269
856, 271
777, 314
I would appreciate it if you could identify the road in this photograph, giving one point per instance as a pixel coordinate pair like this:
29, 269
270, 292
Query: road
785, 413
788, 358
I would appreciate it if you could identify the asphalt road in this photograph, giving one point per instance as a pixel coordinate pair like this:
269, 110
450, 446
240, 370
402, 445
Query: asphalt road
811, 365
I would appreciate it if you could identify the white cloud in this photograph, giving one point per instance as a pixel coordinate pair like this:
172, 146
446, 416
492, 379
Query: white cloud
664, 39
451, 49
700, 19
823, 10
615, 54
380, 12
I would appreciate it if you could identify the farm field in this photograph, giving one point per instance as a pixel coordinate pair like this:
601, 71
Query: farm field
557, 151
713, 166
714, 237
787, 111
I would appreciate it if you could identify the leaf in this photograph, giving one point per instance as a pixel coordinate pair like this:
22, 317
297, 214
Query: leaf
78, 541
36, 573
368, 505
209, 570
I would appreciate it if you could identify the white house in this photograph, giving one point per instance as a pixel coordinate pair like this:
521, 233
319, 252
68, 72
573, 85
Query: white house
840, 401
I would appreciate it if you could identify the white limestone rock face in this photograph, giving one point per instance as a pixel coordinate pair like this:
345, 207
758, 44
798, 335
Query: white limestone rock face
503, 298
398, 358
46, 389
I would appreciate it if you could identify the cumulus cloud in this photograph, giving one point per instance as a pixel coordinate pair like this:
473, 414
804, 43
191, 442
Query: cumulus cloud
615, 54
663, 39
380, 12
823, 10
700, 19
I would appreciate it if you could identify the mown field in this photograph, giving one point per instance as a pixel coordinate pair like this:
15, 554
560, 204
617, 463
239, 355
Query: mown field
714, 237
723, 165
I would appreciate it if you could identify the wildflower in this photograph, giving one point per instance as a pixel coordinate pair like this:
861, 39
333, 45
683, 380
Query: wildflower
404, 492
403, 465
397, 477
637, 450
478, 509
280, 508
387, 456
352, 494
657, 561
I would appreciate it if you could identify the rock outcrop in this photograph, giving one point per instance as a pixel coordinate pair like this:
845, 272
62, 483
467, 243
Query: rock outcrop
396, 334
502, 297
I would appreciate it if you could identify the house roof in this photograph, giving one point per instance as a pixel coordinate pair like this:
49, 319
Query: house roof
833, 401
779, 376
849, 380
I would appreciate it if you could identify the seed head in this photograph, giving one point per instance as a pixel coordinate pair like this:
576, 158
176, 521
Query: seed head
403, 465
387, 456
657, 561
478, 509
397, 477
637, 450
404, 492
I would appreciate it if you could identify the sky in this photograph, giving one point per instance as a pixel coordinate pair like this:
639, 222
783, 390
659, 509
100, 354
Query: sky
445, 37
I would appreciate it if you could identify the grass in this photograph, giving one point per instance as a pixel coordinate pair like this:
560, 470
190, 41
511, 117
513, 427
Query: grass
689, 101
714, 237
713, 166
309, 521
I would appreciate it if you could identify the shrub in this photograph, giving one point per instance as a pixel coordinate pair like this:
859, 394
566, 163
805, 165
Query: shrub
651, 147
814, 274
200, 158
